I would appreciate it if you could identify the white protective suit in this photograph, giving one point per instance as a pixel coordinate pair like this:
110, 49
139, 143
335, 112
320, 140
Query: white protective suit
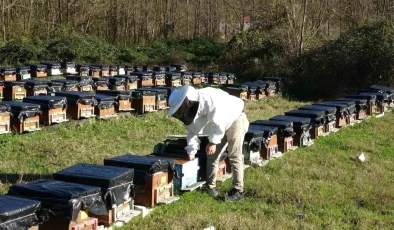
216, 113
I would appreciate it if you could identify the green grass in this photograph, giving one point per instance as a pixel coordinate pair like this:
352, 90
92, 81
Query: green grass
321, 187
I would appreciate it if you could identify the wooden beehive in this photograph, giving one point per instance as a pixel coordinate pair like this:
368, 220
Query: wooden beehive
144, 101
105, 107
79, 104
34, 88
152, 184
14, 90
116, 185
158, 79
7, 74
173, 79
53, 108
1, 90
237, 92
38, 71
5, 118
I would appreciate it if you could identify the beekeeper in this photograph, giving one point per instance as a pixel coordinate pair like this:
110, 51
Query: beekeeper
215, 113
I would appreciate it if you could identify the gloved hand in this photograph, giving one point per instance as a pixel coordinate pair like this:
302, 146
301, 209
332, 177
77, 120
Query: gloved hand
192, 157
210, 149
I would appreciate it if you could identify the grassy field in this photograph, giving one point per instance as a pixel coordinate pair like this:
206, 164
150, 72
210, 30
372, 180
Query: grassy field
321, 187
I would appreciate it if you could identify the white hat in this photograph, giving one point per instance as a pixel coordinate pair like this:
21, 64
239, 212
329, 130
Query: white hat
178, 96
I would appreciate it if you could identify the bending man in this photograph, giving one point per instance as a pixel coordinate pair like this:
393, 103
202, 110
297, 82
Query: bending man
215, 113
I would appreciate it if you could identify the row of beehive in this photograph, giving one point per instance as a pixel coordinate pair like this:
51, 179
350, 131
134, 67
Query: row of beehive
85, 194
257, 90
17, 90
268, 139
175, 71
53, 102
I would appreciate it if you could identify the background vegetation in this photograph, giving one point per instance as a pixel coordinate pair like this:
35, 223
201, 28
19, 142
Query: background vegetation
322, 48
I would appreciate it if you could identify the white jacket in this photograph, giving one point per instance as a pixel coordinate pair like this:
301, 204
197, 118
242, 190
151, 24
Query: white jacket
216, 113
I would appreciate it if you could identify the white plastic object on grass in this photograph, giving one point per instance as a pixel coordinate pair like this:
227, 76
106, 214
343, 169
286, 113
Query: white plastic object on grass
362, 157
210, 228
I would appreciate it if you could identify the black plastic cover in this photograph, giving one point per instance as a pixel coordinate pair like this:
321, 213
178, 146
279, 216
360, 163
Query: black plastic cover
52, 65
18, 213
14, 83
259, 87
258, 135
240, 89
68, 65
119, 94
161, 69
169, 68
146, 68
22, 69
384, 89
82, 80
22, 110
128, 78
158, 75
95, 68
147, 164
138, 68
118, 81
285, 128
299, 123
379, 96
161, 94
67, 84
330, 112
179, 65
141, 94
359, 102
5, 108
350, 105
62, 199
102, 67
105, 101
340, 107
7, 69
35, 85
37, 67
316, 116
295, 120
269, 84
83, 67
113, 68
116, 183
269, 131
47, 102
143, 75
326, 109
74, 97
279, 124
371, 99
100, 81
196, 74
173, 75
54, 84
186, 75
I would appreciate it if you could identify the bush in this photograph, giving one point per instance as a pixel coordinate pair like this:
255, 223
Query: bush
21, 51
254, 54
359, 58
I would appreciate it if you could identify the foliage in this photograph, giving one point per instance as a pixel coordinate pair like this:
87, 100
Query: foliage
358, 59
255, 54
68, 45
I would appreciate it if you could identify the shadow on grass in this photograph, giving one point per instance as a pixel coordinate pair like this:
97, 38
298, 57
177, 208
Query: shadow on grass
14, 178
